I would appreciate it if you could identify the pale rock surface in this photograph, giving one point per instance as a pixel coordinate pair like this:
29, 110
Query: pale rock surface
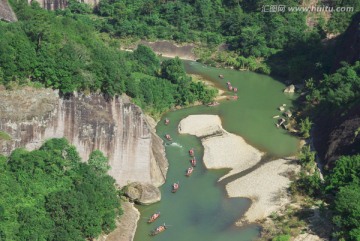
116, 127
309, 237
290, 89
143, 193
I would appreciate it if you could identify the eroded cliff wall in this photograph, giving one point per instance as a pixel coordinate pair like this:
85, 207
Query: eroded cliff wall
117, 127
60, 4
6, 12
338, 135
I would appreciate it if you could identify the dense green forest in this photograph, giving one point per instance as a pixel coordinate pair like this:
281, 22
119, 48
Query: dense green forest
340, 90
64, 51
340, 189
266, 42
50, 194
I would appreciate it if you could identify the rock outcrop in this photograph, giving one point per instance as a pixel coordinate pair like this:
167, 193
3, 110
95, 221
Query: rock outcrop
290, 89
166, 48
348, 44
116, 127
61, 4
6, 12
170, 49
143, 193
338, 135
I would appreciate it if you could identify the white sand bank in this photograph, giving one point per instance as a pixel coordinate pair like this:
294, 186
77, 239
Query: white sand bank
265, 186
221, 148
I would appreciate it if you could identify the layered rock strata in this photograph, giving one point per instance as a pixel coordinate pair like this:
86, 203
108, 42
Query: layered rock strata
116, 127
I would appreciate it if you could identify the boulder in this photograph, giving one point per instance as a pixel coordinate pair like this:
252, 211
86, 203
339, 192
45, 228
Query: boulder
288, 113
143, 193
290, 89
281, 108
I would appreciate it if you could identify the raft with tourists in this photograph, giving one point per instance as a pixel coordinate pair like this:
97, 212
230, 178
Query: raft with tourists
154, 217
191, 152
193, 162
175, 187
189, 171
234, 97
215, 103
158, 230
168, 137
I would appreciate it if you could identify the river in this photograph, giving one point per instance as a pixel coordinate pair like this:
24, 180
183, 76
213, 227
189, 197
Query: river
201, 210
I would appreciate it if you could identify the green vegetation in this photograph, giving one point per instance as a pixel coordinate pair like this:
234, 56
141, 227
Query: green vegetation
309, 182
278, 43
305, 127
340, 189
344, 184
340, 90
339, 21
282, 238
63, 50
251, 34
4, 136
49, 194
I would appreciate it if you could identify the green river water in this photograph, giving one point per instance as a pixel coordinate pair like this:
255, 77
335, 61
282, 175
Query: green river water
200, 210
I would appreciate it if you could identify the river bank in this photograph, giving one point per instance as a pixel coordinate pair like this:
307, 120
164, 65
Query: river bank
265, 186
165, 48
125, 225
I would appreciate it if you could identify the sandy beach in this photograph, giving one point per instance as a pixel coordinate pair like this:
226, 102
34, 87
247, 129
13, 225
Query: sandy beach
221, 148
265, 186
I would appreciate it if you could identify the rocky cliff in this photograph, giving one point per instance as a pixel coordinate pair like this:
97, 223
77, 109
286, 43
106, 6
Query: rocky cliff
348, 47
338, 135
117, 127
61, 4
6, 12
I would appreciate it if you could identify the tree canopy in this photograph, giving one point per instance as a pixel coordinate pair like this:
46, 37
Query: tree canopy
64, 50
49, 194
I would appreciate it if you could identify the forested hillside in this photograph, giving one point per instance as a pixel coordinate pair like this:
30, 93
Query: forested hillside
268, 42
50, 194
63, 50
332, 102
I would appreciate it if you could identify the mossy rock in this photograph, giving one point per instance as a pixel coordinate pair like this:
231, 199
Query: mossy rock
142, 193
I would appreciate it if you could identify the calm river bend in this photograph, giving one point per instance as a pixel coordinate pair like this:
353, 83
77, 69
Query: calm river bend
201, 210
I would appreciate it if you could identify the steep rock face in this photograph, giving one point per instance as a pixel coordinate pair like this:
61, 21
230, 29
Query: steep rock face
61, 4
117, 127
170, 49
167, 48
6, 12
338, 135
348, 49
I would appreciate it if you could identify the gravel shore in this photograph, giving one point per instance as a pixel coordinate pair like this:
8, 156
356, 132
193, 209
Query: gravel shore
265, 186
